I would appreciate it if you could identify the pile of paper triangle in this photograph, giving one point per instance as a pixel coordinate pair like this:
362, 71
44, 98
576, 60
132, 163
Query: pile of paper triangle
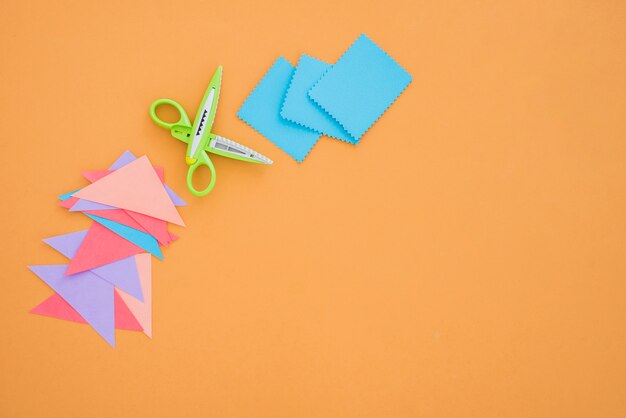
108, 280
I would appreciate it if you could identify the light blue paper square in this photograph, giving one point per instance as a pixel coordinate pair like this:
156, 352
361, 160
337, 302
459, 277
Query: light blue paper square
358, 89
262, 112
298, 106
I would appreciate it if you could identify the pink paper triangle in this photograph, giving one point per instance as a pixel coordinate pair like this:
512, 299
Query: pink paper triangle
96, 175
100, 246
136, 187
142, 310
124, 319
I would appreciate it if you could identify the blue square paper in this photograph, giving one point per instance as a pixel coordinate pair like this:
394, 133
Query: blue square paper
298, 106
262, 112
358, 89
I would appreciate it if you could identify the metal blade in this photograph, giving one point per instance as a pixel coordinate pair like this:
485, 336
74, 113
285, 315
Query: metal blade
231, 149
206, 114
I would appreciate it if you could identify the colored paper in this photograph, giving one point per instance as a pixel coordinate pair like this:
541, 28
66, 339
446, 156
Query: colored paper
298, 106
129, 157
99, 247
153, 226
262, 112
358, 89
142, 311
135, 187
90, 296
56, 307
145, 241
82, 205
122, 274
96, 175
118, 215
124, 318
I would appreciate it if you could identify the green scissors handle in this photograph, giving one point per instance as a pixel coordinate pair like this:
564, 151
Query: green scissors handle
181, 130
182, 121
203, 159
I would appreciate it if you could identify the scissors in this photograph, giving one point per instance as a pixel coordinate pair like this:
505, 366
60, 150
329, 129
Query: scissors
200, 139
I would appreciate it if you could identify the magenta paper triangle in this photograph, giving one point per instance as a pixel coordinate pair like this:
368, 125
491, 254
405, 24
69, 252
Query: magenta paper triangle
142, 310
118, 215
122, 274
101, 246
153, 226
90, 296
124, 318
56, 307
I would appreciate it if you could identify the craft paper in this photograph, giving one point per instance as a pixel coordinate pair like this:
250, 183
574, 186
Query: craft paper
141, 239
99, 247
98, 174
153, 226
142, 311
90, 296
262, 112
358, 89
125, 158
129, 157
298, 106
56, 307
82, 205
135, 187
122, 274
68, 203
124, 318
118, 215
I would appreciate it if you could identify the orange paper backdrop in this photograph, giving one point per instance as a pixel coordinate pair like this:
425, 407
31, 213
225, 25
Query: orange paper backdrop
465, 260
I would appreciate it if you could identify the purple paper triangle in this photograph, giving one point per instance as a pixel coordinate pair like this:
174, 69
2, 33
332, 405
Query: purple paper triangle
83, 205
122, 274
91, 297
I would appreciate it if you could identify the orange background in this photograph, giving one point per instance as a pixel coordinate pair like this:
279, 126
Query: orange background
465, 260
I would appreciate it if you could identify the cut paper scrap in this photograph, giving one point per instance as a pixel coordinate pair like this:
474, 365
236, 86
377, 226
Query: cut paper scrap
145, 241
68, 203
118, 215
298, 106
99, 247
90, 296
82, 205
122, 274
135, 187
98, 174
358, 89
128, 157
56, 307
262, 112
142, 311
153, 226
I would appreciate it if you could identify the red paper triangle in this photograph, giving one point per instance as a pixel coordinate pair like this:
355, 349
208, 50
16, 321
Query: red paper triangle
101, 246
56, 307
119, 216
153, 226
124, 318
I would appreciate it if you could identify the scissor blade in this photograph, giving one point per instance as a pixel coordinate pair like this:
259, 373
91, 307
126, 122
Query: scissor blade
206, 115
231, 149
